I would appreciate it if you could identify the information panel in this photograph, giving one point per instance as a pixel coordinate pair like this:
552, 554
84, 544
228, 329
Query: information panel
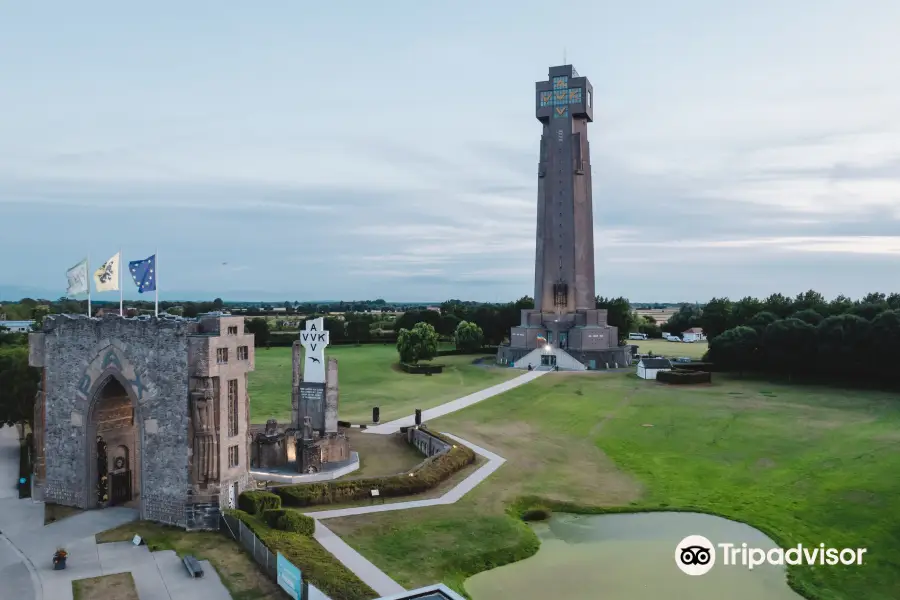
289, 577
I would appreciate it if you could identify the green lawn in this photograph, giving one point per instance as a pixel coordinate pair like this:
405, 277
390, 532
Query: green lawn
368, 377
805, 465
694, 350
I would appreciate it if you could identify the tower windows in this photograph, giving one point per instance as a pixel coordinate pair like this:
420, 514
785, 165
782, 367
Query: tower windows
560, 294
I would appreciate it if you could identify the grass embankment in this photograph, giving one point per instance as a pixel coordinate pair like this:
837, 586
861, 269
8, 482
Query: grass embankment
805, 465
236, 568
381, 455
106, 587
368, 377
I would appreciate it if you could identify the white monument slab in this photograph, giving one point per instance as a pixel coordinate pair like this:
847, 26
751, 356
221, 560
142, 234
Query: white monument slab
314, 338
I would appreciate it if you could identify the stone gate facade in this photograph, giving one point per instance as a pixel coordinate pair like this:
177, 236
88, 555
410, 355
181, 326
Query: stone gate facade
149, 413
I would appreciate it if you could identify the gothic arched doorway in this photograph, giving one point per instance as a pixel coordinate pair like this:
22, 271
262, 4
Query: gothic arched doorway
114, 446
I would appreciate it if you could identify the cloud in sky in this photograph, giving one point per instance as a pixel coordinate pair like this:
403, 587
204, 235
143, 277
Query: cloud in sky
389, 152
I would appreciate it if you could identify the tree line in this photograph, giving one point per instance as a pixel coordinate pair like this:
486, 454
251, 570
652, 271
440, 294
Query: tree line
841, 339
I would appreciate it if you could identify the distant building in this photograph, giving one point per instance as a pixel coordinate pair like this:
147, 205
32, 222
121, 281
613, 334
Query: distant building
648, 367
17, 326
694, 334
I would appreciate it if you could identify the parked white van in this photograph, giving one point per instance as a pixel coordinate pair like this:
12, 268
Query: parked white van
637, 336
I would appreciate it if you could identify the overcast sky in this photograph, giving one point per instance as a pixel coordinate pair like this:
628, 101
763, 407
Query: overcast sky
389, 149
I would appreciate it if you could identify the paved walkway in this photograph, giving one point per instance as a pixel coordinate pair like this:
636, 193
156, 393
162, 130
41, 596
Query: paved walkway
458, 404
27, 547
374, 577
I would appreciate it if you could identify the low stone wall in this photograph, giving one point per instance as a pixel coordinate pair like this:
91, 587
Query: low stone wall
425, 442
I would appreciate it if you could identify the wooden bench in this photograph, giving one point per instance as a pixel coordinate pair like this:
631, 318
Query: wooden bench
193, 566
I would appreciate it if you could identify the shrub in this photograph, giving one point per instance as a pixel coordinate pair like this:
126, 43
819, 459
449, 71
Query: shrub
538, 513
492, 350
425, 476
271, 515
297, 523
285, 519
684, 377
344, 424
254, 502
315, 562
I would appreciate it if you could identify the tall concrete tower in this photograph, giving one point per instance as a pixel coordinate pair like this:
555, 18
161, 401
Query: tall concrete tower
564, 264
565, 329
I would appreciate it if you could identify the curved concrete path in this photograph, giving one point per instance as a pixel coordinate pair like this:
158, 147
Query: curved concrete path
458, 404
371, 575
374, 577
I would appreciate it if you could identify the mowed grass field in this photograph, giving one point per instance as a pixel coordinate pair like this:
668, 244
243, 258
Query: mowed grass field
805, 465
368, 377
694, 350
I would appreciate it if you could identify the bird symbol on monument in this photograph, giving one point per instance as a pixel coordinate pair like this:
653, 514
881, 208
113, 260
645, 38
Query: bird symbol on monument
314, 359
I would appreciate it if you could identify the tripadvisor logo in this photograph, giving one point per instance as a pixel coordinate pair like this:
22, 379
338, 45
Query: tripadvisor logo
696, 555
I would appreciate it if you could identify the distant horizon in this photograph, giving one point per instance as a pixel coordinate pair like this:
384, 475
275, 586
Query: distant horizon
736, 152
277, 302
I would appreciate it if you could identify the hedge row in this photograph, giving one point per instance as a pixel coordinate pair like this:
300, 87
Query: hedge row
458, 352
315, 562
693, 366
421, 369
254, 502
425, 476
680, 377
286, 519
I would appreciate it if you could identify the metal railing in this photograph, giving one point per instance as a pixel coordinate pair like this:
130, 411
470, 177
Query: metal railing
242, 534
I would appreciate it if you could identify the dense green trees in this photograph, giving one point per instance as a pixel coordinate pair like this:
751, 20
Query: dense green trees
418, 343
259, 327
468, 337
18, 386
618, 314
854, 344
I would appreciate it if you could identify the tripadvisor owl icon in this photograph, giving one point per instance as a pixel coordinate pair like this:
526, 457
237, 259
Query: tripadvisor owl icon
695, 555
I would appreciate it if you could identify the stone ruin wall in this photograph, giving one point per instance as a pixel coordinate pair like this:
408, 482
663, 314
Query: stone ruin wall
76, 353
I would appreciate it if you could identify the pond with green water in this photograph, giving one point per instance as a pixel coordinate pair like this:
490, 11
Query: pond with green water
631, 557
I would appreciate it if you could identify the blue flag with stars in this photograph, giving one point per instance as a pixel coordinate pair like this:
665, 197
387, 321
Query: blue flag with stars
144, 274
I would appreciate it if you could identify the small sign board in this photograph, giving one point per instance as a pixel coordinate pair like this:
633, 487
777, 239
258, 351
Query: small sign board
375, 493
137, 540
289, 577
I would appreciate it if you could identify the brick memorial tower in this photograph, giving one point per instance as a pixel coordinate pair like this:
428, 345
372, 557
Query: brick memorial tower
565, 329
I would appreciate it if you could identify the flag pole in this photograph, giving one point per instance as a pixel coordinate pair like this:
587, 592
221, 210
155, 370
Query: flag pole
156, 281
121, 287
89, 283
